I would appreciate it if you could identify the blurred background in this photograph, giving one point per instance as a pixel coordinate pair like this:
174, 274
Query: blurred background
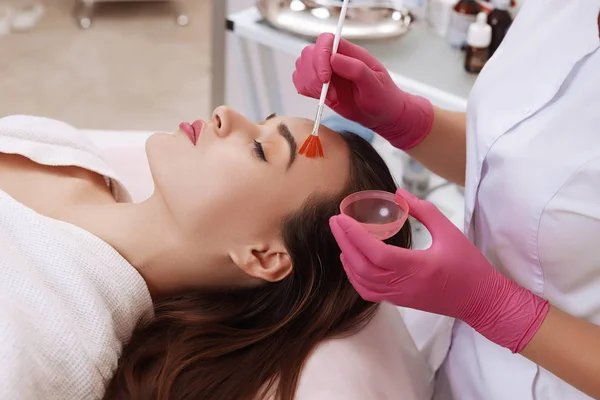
133, 68
149, 65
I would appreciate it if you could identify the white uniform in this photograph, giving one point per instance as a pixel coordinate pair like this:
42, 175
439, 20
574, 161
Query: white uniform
533, 187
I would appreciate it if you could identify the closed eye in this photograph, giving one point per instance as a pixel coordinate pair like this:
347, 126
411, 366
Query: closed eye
260, 152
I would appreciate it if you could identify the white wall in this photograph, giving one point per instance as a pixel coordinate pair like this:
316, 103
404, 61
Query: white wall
294, 104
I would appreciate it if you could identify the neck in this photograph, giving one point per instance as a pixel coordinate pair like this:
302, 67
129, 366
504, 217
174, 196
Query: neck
145, 234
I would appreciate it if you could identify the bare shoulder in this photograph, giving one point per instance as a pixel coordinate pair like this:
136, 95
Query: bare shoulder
50, 190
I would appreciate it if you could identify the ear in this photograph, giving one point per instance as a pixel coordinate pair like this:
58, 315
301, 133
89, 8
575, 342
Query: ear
266, 261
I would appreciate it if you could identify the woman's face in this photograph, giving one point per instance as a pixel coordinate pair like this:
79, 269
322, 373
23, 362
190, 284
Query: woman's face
227, 195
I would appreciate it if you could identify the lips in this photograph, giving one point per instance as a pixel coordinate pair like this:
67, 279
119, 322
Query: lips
198, 127
192, 131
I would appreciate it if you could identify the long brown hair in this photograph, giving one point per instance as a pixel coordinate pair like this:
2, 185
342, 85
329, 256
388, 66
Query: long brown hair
241, 343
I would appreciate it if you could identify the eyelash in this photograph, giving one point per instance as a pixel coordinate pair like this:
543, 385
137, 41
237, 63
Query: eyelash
260, 152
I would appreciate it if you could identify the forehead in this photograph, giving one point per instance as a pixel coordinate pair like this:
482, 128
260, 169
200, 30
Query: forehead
328, 174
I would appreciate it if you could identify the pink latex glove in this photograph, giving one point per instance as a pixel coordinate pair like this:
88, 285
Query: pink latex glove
361, 90
451, 278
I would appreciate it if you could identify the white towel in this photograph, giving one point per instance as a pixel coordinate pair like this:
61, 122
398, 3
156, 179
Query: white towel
68, 301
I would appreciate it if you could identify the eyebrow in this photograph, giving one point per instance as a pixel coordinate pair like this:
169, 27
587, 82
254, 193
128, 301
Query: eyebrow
284, 131
287, 135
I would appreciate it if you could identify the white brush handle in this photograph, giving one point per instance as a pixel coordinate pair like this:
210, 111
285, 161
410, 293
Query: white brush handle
325, 88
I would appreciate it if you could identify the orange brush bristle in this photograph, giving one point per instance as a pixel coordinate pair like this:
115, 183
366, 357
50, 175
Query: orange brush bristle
311, 147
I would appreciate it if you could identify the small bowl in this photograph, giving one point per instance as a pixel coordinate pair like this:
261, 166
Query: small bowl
381, 213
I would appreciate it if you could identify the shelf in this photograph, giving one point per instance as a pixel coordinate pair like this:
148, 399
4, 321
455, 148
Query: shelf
420, 62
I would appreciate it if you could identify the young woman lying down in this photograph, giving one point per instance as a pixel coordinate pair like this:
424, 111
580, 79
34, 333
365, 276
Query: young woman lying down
218, 286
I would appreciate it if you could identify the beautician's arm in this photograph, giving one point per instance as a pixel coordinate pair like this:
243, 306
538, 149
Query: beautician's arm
568, 347
452, 277
444, 150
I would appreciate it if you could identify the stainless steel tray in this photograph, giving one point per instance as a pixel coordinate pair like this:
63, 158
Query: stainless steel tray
310, 18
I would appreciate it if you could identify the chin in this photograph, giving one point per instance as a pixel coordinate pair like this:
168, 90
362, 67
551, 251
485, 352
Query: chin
159, 143
159, 137
159, 149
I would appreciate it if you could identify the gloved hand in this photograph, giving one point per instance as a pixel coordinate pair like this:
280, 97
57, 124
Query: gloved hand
361, 90
451, 278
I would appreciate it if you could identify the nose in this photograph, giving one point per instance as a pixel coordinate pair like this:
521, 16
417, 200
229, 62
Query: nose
226, 120
221, 121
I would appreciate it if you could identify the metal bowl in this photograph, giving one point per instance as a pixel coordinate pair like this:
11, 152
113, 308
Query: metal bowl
310, 18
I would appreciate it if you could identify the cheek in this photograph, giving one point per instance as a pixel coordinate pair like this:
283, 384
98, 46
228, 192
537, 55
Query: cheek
232, 207
220, 197
219, 192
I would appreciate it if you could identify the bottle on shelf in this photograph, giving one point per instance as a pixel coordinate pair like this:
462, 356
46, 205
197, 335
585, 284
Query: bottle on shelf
500, 20
479, 38
462, 16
